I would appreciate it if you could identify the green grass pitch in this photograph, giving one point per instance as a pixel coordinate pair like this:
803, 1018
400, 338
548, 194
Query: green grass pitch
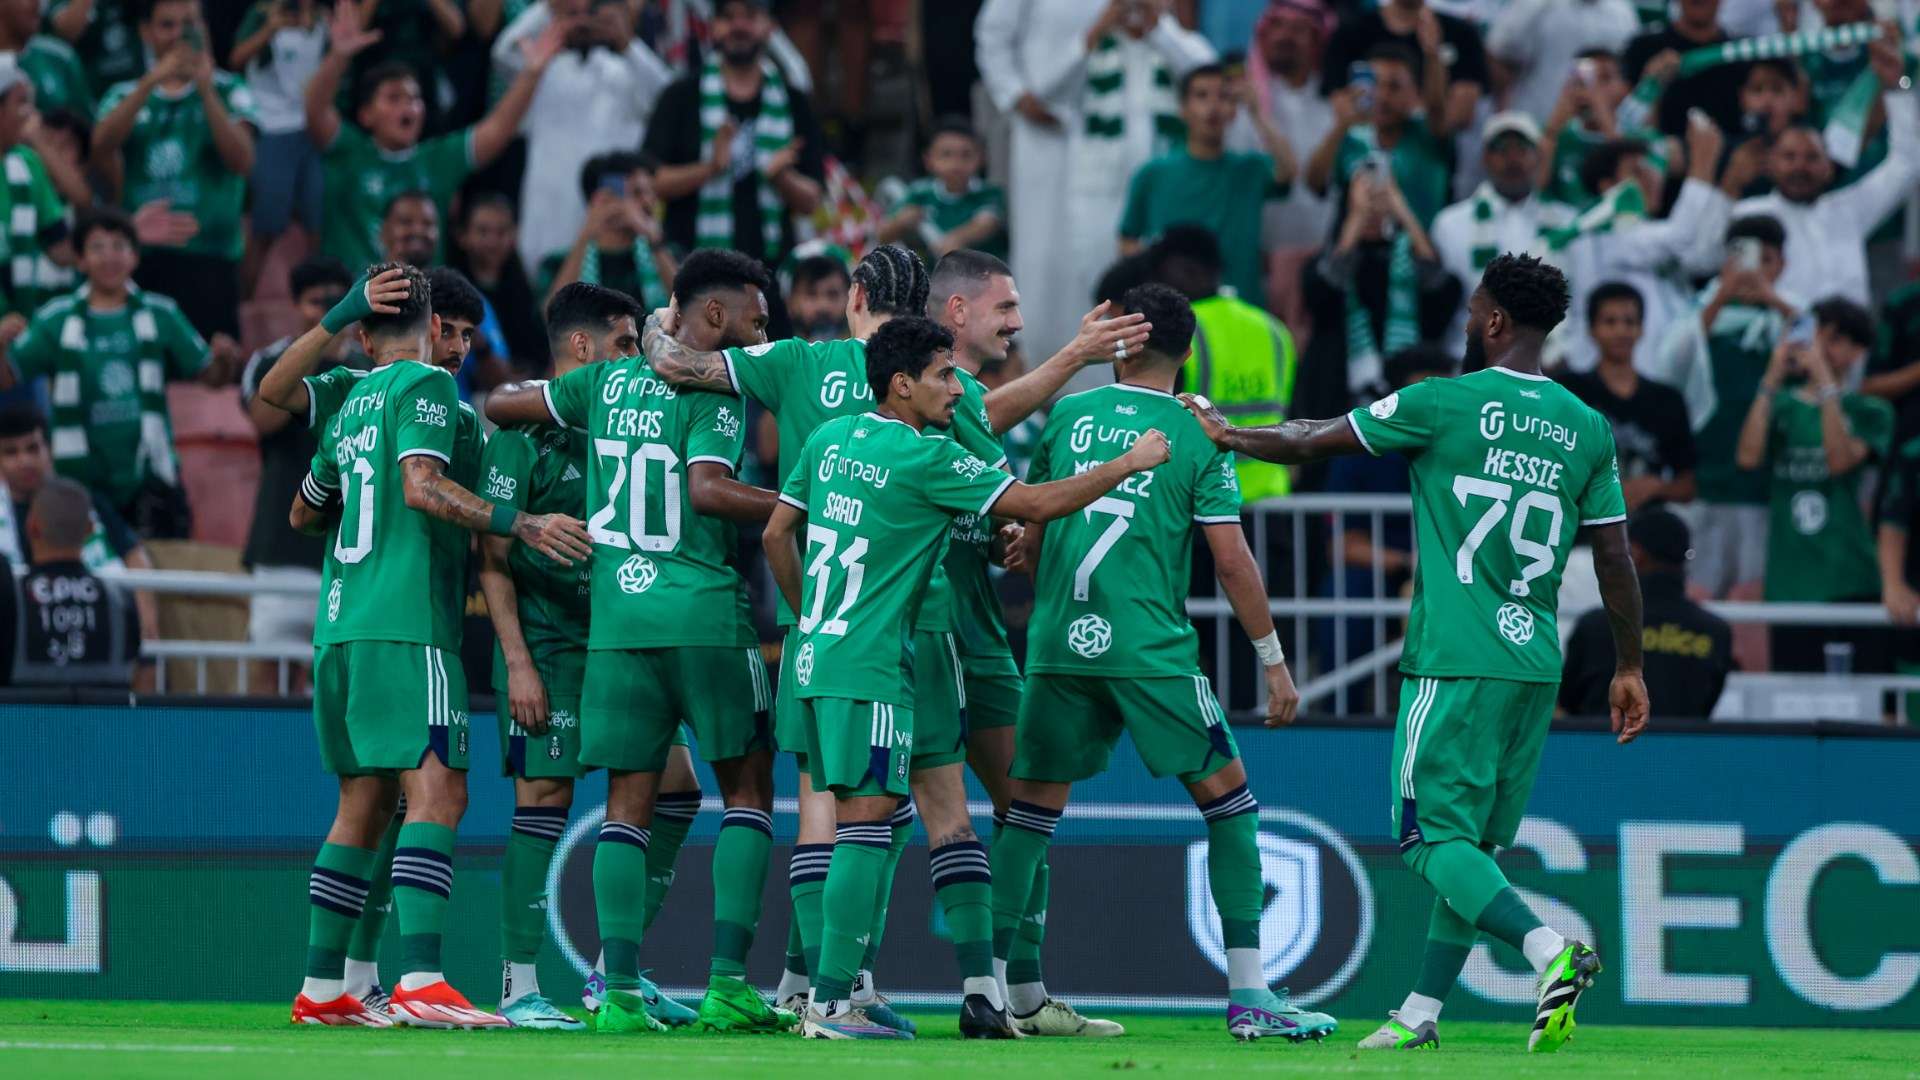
52, 1040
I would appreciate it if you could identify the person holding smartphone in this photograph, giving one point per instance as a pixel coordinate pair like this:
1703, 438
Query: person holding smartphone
620, 244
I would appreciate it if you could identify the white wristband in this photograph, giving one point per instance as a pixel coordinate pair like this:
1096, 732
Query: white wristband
1271, 654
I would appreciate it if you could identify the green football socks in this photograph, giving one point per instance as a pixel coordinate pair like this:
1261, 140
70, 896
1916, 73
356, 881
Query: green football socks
1233, 866
523, 880
673, 814
902, 825
422, 884
372, 925
336, 891
1019, 851
620, 883
1450, 941
806, 884
1471, 883
963, 884
739, 877
853, 884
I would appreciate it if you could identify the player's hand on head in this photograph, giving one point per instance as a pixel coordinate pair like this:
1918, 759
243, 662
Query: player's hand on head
557, 536
1629, 706
527, 698
1212, 420
1283, 699
386, 289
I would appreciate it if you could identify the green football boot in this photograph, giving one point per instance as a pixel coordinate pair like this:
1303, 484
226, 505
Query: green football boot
732, 1005
1560, 987
1394, 1035
623, 1012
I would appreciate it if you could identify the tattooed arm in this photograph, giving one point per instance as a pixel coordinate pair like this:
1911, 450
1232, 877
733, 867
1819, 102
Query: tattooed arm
1293, 442
681, 365
428, 490
1620, 593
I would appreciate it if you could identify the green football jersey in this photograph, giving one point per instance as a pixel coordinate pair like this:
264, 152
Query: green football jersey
1738, 349
980, 631
1110, 594
662, 575
880, 500
392, 573
1820, 546
543, 470
804, 384
170, 156
1506, 468
328, 390
361, 178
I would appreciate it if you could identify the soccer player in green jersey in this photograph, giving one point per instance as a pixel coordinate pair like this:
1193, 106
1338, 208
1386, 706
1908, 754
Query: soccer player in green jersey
1507, 466
876, 495
804, 384
1110, 649
540, 610
671, 639
387, 703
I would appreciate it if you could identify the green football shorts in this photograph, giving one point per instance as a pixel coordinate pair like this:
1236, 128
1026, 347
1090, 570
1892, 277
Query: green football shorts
994, 687
556, 754
1465, 752
789, 723
939, 702
382, 706
1070, 723
857, 748
633, 702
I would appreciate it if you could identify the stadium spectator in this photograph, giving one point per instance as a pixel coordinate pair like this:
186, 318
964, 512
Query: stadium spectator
1503, 214
1897, 515
950, 207
1893, 370
1444, 57
1817, 439
1382, 288
414, 35
59, 79
1206, 184
1652, 434
1772, 96
484, 250
1654, 56
621, 244
73, 628
381, 154
104, 35
1688, 651
36, 221
739, 151
108, 350
1715, 357
276, 553
1614, 241
279, 47
1827, 231
1242, 358
182, 133
817, 300
595, 99
1585, 117
1540, 40
1388, 128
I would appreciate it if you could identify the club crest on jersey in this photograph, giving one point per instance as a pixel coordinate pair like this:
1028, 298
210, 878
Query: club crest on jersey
1089, 636
803, 664
333, 602
1515, 622
1385, 407
637, 574
1809, 510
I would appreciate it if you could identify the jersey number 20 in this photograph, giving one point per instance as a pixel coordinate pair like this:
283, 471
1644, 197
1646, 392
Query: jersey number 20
638, 534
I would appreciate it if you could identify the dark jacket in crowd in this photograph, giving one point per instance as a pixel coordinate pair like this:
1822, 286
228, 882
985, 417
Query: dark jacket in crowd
1688, 652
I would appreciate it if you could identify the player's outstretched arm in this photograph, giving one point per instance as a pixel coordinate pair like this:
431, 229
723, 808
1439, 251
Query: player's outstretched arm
284, 385
1058, 498
681, 365
526, 694
1620, 593
714, 492
780, 542
428, 490
1096, 343
519, 404
1240, 579
1291, 442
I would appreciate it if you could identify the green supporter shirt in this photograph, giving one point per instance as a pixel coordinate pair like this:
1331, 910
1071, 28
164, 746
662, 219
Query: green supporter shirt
980, 630
109, 48
1422, 166
880, 500
170, 156
59, 79
1111, 589
1820, 546
947, 211
1740, 345
392, 573
1506, 468
1226, 195
361, 178
663, 576
543, 470
805, 384
1570, 152
93, 362
29, 205
618, 270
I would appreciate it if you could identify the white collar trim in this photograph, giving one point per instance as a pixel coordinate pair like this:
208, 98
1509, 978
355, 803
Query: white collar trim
1527, 375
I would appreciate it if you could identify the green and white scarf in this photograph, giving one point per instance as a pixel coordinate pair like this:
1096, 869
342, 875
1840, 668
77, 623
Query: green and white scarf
68, 420
772, 131
1402, 325
34, 274
648, 275
1622, 204
1485, 236
1104, 105
1846, 126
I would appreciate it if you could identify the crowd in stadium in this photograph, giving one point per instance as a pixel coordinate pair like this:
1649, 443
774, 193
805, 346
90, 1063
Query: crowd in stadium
191, 184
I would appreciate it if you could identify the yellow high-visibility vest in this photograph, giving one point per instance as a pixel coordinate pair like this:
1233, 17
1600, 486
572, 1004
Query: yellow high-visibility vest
1243, 359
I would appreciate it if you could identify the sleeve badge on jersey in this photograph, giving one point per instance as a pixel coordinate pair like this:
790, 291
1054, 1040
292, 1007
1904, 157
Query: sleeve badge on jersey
969, 466
726, 423
761, 349
500, 486
1384, 408
432, 413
